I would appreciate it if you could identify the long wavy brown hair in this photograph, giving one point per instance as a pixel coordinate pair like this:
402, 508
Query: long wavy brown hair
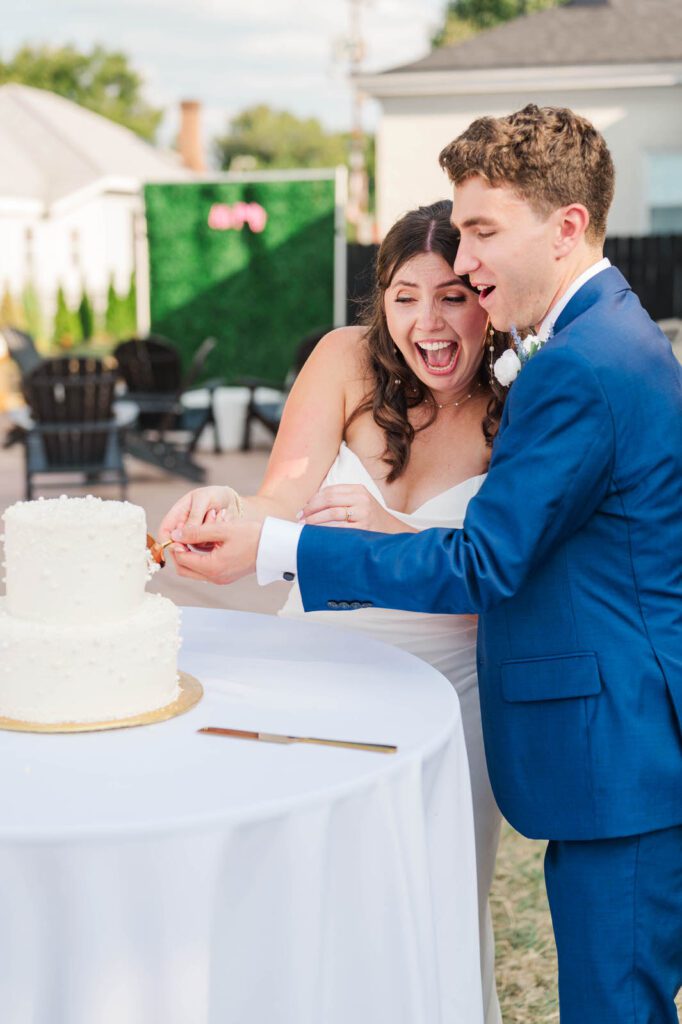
394, 387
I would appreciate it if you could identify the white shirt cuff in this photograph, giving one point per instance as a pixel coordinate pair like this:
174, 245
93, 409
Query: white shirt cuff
277, 550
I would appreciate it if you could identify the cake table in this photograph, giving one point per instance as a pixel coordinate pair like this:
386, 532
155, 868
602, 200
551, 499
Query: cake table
154, 875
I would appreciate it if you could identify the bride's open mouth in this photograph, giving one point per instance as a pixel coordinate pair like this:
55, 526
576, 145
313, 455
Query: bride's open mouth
439, 357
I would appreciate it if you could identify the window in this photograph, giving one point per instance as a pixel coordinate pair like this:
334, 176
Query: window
664, 192
666, 220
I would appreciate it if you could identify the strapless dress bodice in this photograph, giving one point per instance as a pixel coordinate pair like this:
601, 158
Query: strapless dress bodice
439, 639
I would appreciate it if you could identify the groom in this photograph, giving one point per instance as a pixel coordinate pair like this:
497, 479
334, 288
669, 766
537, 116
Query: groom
571, 553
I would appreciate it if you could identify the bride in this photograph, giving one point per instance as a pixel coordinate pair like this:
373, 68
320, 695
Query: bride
388, 427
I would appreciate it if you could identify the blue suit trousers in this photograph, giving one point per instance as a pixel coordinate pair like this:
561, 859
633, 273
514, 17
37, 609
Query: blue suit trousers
617, 913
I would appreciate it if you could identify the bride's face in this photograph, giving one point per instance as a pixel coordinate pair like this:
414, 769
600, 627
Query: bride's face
437, 323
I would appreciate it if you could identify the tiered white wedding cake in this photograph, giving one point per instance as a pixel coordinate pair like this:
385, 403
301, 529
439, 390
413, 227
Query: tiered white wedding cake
80, 640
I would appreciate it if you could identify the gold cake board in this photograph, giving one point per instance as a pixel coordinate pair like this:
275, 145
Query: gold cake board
191, 692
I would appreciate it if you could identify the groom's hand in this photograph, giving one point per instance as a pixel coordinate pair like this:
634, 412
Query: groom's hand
229, 553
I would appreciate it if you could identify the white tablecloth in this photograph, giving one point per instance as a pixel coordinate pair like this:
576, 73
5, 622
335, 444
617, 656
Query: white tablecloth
157, 876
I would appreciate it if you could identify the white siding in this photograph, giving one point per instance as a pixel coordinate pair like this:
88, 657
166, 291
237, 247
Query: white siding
413, 130
84, 245
13, 249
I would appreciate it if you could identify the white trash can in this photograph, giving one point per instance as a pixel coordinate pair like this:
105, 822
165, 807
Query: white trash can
229, 409
229, 406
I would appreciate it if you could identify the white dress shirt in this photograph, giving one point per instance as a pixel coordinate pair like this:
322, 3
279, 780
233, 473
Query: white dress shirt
278, 545
547, 325
276, 558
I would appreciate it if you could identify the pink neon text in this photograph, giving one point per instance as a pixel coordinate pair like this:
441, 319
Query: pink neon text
223, 217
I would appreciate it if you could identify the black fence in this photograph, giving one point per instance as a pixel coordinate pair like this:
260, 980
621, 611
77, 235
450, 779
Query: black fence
652, 264
360, 275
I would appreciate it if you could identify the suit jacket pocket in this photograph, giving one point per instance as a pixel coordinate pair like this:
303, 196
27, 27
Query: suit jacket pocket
556, 678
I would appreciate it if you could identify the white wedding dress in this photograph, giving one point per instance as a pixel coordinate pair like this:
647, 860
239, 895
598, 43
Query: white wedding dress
448, 642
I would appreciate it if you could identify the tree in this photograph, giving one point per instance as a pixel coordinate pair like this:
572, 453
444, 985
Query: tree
464, 18
101, 80
260, 137
67, 326
120, 319
35, 324
130, 302
276, 138
113, 318
86, 316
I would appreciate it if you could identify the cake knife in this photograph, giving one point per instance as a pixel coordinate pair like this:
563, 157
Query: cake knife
156, 550
272, 737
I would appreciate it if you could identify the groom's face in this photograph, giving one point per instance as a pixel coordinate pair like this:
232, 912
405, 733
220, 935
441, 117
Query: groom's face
507, 249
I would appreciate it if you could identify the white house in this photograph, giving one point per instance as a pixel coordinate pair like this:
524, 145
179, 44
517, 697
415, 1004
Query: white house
70, 196
618, 62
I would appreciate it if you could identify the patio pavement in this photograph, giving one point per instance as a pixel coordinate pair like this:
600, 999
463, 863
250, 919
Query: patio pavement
156, 491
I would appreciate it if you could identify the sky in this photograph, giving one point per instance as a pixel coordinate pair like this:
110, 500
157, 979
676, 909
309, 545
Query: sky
230, 54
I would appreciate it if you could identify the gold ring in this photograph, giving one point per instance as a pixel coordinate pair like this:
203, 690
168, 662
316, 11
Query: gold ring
348, 517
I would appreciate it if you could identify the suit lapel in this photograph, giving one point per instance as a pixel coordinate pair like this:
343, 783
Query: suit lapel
602, 285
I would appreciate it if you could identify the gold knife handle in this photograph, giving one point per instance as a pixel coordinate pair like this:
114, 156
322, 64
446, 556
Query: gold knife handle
239, 734
377, 748
272, 737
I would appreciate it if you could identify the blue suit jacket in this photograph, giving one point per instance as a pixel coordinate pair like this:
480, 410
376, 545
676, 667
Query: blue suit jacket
572, 554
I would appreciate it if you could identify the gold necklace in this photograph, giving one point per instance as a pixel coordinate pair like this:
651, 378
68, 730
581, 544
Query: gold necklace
460, 401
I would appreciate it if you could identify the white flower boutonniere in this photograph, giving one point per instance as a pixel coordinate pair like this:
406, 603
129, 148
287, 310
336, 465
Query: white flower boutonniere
507, 367
511, 362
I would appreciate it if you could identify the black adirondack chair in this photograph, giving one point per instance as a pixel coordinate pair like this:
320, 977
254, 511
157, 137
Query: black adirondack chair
166, 433
268, 410
73, 428
22, 349
23, 352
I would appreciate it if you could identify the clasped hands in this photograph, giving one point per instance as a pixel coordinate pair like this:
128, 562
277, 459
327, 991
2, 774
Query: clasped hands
208, 518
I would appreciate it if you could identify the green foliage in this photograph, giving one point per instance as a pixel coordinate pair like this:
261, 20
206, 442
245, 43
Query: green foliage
86, 317
120, 318
33, 313
130, 303
464, 18
276, 138
100, 80
370, 167
111, 313
257, 293
67, 326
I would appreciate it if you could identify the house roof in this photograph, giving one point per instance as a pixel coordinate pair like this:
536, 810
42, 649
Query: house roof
51, 148
582, 32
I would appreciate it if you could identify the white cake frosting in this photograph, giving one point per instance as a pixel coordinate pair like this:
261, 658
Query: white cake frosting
80, 641
75, 559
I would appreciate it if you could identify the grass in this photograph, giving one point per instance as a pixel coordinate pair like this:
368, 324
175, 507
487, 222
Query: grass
526, 957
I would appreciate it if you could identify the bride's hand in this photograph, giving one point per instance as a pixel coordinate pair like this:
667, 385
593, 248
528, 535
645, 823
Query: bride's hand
203, 504
350, 505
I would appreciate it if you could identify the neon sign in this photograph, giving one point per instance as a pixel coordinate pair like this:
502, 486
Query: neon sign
223, 217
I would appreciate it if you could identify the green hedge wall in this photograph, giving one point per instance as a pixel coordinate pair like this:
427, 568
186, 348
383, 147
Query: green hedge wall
258, 293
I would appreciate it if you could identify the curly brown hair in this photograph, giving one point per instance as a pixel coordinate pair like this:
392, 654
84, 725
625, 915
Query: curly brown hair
395, 388
550, 156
